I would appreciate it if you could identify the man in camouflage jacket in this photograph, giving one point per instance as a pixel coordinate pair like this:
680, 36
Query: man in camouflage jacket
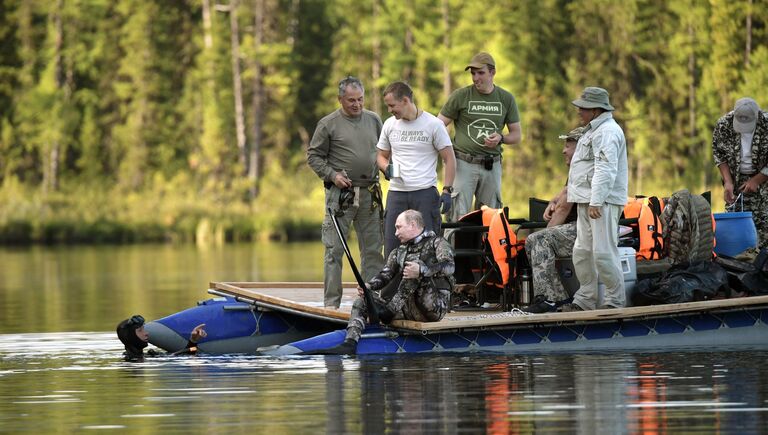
425, 261
740, 150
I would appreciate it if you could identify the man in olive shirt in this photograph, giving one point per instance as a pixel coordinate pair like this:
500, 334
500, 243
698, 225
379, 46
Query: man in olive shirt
343, 154
480, 111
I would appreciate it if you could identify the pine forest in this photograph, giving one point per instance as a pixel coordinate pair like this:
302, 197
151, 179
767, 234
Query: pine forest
188, 120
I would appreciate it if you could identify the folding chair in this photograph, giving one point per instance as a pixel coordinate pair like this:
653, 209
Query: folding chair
486, 253
473, 263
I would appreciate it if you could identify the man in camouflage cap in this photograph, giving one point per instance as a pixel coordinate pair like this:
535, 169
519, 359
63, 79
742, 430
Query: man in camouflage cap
425, 262
543, 247
740, 150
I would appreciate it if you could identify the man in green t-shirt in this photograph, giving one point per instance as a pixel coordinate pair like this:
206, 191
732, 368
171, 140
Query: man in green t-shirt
479, 113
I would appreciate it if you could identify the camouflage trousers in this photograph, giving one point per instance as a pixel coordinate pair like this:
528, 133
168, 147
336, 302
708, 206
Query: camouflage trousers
415, 299
542, 248
757, 203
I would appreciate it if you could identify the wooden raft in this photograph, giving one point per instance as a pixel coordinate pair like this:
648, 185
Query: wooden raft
307, 297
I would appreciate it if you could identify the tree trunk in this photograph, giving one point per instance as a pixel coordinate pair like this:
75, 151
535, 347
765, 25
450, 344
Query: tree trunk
237, 84
407, 45
211, 143
447, 47
748, 45
207, 25
692, 97
257, 101
51, 173
376, 64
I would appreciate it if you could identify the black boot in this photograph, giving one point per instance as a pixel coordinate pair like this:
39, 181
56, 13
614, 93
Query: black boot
385, 315
348, 347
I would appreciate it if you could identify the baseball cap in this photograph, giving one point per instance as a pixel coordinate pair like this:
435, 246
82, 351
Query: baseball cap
745, 115
480, 60
574, 134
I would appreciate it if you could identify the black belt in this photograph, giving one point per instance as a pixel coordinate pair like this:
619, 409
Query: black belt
479, 160
329, 184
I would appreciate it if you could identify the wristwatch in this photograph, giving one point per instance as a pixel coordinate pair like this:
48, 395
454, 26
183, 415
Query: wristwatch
448, 189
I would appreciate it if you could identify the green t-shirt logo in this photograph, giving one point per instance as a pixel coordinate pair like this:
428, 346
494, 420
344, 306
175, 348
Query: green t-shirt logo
477, 116
484, 108
480, 129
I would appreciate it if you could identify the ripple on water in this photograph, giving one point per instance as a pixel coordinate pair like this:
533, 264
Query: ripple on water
65, 382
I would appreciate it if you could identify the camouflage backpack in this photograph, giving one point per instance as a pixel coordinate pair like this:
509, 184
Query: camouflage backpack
688, 234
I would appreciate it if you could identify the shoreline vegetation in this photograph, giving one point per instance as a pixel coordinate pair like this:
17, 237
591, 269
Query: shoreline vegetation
101, 217
94, 216
128, 121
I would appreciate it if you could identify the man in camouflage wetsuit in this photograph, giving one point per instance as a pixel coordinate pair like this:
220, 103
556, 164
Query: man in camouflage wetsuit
740, 149
425, 261
543, 247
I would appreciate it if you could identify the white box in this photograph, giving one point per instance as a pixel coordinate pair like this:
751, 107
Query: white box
627, 263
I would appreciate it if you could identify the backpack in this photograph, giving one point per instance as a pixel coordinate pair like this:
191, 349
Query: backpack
687, 228
649, 244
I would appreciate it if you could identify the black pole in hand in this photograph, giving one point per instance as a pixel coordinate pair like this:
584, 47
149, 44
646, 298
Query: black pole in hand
373, 312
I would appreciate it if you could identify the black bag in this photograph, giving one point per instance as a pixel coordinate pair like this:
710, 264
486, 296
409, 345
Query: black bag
683, 283
750, 278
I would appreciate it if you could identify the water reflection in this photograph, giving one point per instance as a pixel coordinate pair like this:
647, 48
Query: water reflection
68, 382
65, 382
585, 394
91, 288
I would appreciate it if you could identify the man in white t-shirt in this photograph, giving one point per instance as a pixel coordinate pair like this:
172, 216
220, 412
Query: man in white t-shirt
408, 147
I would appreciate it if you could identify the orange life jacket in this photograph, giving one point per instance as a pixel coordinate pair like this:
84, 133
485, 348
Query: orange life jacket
649, 226
502, 241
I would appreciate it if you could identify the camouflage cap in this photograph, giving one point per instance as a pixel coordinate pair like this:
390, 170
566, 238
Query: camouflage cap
745, 115
574, 134
593, 98
480, 60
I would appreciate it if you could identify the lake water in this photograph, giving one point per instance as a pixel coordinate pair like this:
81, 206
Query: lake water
61, 369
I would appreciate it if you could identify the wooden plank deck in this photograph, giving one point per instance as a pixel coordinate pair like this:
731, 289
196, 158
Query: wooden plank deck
308, 298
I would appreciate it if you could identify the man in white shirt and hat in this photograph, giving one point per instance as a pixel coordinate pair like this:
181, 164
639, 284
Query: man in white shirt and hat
597, 184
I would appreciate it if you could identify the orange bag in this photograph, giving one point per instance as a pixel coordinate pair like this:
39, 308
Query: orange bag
648, 228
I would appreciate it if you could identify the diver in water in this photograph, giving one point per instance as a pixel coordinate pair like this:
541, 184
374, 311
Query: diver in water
134, 337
